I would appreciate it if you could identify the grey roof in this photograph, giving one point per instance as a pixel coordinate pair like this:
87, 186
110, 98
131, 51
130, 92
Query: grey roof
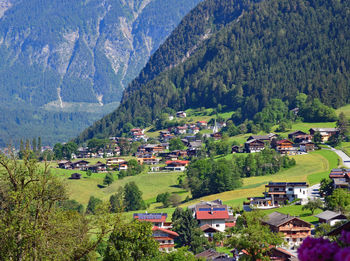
328, 215
254, 140
263, 137
324, 129
216, 202
276, 219
338, 181
195, 144
295, 132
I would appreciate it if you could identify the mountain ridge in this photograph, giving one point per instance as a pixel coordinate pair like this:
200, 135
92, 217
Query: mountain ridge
303, 46
66, 52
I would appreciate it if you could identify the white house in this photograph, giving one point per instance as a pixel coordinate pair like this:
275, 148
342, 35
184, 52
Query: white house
213, 216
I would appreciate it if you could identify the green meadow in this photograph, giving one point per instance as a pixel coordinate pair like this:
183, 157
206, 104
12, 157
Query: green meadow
310, 168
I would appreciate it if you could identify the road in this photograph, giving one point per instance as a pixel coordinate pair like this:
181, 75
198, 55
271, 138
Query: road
345, 158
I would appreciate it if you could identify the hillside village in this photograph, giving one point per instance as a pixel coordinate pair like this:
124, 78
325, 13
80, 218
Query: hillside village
194, 130
173, 150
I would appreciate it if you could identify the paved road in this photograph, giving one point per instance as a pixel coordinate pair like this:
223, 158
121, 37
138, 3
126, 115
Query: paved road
343, 156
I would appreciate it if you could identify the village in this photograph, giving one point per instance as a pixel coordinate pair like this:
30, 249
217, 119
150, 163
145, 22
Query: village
214, 217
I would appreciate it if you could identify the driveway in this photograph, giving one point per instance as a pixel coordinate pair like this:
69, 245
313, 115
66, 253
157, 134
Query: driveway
313, 192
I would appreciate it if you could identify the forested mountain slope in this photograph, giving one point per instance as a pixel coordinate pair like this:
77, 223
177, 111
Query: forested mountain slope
275, 49
57, 53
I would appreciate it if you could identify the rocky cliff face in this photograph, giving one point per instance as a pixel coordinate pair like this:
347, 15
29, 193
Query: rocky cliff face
55, 53
90, 50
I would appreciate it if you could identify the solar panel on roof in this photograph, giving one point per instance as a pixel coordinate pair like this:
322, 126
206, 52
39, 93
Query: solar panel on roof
150, 216
204, 209
219, 209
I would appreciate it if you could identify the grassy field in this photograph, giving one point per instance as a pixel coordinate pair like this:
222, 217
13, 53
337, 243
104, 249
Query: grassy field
310, 168
345, 109
345, 146
296, 210
150, 184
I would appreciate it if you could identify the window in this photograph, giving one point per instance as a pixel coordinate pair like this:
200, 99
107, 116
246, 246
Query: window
304, 192
217, 225
290, 189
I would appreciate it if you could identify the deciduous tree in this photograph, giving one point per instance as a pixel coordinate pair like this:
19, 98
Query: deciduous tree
253, 237
133, 241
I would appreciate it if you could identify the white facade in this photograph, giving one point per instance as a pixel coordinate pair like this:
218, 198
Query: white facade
218, 224
177, 168
297, 192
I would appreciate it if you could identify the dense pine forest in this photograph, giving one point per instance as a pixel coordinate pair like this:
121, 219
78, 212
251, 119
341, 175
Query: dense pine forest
270, 49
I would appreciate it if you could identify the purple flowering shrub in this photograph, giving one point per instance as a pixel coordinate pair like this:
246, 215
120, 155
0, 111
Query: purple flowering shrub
320, 249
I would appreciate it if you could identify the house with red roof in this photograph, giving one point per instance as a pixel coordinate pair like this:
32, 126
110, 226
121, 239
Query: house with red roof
181, 129
165, 238
202, 124
176, 165
286, 147
214, 216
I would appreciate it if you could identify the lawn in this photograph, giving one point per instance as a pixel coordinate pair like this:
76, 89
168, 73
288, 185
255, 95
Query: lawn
150, 184
305, 126
296, 210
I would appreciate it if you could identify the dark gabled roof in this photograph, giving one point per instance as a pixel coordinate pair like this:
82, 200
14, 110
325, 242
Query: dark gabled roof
299, 132
277, 219
207, 227
254, 140
328, 215
284, 184
81, 161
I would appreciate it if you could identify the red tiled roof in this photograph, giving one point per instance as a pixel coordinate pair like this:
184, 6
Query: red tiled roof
231, 224
283, 141
212, 215
165, 231
182, 162
202, 121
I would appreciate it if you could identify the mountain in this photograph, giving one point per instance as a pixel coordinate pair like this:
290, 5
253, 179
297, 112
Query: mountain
271, 49
57, 56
